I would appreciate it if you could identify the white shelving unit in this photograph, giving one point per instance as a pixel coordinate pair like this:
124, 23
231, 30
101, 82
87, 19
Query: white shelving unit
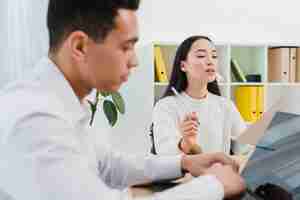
141, 91
253, 59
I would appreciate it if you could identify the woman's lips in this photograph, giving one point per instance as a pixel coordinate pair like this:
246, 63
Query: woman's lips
210, 72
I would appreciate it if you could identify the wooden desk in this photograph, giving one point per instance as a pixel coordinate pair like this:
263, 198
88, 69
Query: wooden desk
137, 193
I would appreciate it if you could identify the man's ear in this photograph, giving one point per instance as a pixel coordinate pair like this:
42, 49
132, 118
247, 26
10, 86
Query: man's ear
77, 43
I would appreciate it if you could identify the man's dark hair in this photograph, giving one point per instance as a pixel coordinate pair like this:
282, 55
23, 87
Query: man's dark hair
94, 17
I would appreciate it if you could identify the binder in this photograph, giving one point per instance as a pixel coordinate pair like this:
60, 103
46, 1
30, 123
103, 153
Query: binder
250, 102
279, 64
168, 53
245, 99
160, 67
260, 101
292, 66
298, 65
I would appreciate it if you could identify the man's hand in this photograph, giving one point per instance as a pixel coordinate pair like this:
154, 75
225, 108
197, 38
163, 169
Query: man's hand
219, 165
197, 165
232, 182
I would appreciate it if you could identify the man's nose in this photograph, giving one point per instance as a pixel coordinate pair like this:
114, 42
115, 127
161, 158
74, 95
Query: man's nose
133, 62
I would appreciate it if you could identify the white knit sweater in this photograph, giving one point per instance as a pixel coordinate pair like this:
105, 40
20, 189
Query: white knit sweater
219, 122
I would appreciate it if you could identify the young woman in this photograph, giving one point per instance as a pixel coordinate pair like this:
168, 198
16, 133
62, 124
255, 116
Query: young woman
197, 114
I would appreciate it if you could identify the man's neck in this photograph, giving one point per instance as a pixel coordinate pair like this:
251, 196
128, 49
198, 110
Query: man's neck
72, 75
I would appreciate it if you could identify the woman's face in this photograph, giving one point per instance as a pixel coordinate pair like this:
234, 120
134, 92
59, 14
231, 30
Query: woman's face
201, 62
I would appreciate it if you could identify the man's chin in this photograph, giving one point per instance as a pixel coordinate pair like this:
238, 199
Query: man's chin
111, 88
116, 87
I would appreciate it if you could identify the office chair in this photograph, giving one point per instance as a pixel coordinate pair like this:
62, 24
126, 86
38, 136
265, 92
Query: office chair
153, 149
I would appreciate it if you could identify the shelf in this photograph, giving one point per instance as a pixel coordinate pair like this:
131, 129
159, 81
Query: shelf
223, 84
261, 83
248, 83
283, 84
161, 84
244, 84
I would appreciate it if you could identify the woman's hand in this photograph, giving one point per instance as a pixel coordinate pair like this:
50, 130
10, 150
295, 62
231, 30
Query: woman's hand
189, 130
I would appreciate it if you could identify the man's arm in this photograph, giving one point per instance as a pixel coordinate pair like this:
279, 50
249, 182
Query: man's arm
46, 161
134, 170
43, 151
121, 170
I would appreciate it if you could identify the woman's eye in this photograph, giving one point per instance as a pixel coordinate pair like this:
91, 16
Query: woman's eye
215, 57
200, 56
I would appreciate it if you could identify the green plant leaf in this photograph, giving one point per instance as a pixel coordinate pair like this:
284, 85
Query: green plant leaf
105, 94
92, 106
119, 101
110, 111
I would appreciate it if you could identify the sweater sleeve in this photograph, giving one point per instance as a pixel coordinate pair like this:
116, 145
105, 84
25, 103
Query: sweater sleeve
165, 127
238, 124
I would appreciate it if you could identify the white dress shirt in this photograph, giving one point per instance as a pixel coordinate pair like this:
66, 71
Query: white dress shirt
49, 152
220, 121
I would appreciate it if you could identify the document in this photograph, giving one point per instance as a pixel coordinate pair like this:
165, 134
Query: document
276, 159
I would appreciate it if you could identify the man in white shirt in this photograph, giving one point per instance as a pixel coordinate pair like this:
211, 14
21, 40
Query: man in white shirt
47, 151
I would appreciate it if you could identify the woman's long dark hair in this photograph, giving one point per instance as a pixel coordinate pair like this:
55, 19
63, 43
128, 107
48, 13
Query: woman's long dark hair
178, 77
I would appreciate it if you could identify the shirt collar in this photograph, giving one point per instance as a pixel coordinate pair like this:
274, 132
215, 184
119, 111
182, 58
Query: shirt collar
54, 80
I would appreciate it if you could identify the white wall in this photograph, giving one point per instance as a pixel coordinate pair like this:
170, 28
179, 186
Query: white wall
131, 133
23, 37
259, 21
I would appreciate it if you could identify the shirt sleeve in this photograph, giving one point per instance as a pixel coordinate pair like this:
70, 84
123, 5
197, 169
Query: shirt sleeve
120, 171
43, 152
48, 152
165, 129
49, 163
